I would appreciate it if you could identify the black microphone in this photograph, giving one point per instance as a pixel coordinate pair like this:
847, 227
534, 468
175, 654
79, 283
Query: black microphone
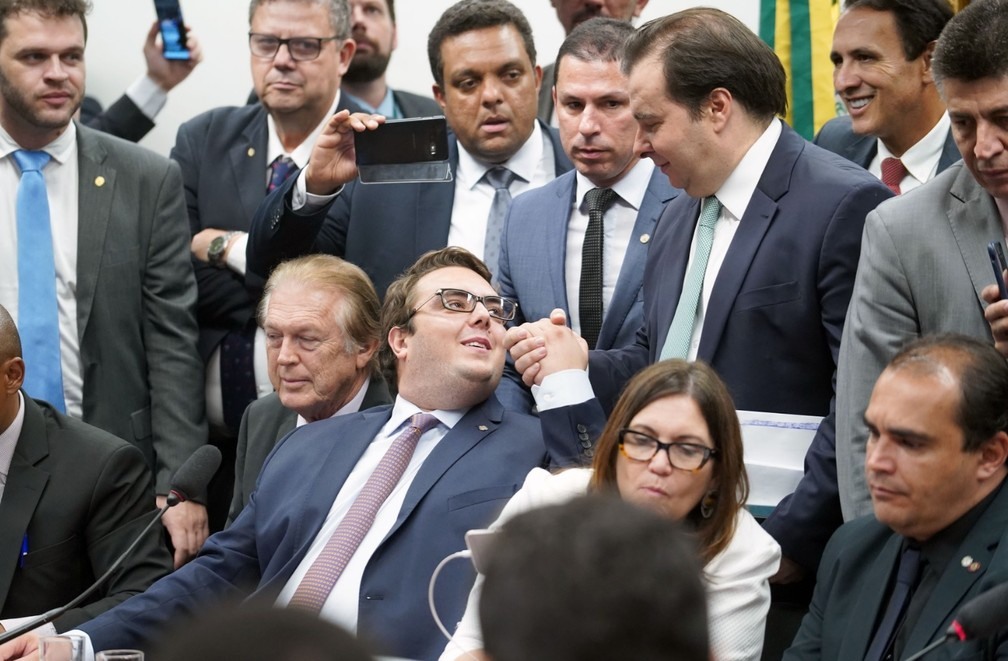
981, 616
192, 477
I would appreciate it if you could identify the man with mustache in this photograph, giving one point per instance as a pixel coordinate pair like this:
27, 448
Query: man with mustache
374, 31
483, 60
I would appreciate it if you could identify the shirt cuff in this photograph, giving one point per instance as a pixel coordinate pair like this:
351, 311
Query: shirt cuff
89, 652
235, 259
11, 623
563, 388
148, 96
304, 202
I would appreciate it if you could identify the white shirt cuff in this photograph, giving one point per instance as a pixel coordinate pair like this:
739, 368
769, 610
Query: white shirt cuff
11, 623
563, 388
305, 202
148, 96
235, 259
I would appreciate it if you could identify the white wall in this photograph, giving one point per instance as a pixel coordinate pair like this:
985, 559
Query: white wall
117, 29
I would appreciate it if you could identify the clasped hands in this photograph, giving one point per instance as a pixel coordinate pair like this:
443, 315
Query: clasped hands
544, 347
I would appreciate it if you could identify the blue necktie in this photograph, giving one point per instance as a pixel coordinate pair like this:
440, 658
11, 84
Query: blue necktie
500, 178
38, 315
680, 333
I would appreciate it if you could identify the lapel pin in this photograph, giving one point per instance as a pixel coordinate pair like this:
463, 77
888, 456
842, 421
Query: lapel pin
251, 152
974, 567
483, 428
967, 560
645, 238
99, 181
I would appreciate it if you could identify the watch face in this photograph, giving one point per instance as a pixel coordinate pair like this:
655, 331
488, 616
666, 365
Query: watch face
216, 248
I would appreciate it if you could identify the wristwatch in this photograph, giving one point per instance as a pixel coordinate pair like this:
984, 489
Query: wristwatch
215, 253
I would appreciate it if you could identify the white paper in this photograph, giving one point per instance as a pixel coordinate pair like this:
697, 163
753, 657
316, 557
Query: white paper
774, 445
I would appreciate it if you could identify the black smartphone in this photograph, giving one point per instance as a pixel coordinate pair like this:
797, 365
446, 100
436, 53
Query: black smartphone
997, 260
173, 32
402, 141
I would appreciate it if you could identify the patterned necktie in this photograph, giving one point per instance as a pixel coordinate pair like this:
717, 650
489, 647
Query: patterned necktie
893, 172
38, 313
680, 333
907, 575
590, 291
317, 584
500, 178
281, 168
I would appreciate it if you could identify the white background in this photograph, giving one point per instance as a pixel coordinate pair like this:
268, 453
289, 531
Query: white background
116, 30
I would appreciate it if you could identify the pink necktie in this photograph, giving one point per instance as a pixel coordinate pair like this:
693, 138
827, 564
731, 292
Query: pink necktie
318, 583
893, 172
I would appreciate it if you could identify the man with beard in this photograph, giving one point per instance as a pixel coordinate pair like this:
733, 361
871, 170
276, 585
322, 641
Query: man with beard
374, 30
94, 269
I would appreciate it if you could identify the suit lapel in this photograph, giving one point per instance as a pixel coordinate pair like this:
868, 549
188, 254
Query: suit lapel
248, 164
950, 153
556, 243
631, 275
870, 602
862, 150
434, 204
96, 189
25, 484
975, 221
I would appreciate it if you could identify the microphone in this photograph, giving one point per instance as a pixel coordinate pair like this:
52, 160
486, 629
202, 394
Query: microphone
981, 616
192, 477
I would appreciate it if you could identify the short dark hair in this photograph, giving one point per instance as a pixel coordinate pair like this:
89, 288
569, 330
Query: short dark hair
339, 13
973, 46
982, 374
919, 22
598, 39
593, 579
47, 8
468, 15
399, 297
10, 339
702, 49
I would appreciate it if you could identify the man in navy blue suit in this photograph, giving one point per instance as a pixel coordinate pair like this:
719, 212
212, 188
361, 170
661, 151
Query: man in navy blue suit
554, 253
444, 325
781, 246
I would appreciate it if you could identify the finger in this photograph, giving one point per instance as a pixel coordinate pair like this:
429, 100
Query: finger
520, 349
152, 33
530, 377
526, 361
558, 317
513, 336
990, 293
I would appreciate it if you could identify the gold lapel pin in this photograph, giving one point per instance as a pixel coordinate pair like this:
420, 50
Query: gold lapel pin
974, 567
483, 428
99, 181
645, 238
251, 152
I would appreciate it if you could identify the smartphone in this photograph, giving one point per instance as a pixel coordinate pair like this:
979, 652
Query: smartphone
400, 141
998, 263
479, 541
173, 32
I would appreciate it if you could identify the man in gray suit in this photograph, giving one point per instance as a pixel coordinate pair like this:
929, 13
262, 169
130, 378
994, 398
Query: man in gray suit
896, 126
924, 256
120, 335
321, 318
554, 252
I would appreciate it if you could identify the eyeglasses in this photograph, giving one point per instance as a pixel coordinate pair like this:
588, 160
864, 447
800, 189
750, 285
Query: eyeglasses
459, 300
684, 456
300, 48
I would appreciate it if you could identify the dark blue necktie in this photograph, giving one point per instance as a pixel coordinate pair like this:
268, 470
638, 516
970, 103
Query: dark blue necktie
907, 575
38, 314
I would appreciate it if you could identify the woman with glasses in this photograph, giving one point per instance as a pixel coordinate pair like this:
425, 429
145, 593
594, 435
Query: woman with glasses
673, 445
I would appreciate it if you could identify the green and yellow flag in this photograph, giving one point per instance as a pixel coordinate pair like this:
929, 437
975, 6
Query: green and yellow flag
801, 32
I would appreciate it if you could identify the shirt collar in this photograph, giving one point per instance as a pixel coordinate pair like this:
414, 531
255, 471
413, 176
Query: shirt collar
921, 160
737, 190
9, 437
352, 406
403, 410
631, 188
386, 108
301, 153
523, 163
61, 149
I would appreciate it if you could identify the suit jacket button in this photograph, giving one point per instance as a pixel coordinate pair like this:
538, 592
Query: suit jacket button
581, 428
585, 443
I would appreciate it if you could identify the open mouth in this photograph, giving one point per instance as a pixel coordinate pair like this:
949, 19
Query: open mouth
478, 343
858, 104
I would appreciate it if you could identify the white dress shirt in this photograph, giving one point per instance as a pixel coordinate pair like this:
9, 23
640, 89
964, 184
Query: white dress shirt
61, 181
8, 441
618, 229
921, 160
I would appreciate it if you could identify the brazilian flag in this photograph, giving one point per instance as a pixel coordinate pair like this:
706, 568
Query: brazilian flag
801, 33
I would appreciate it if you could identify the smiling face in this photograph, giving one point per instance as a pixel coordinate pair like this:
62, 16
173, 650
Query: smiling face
655, 484
451, 359
597, 127
310, 365
490, 91
41, 76
979, 113
882, 90
306, 87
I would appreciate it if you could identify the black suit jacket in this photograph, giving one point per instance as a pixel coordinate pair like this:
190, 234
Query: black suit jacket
380, 228
79, 496
263, 424
122, 119
837, 136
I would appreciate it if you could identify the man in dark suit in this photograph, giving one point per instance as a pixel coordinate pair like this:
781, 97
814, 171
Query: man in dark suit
767, 309
936, 469
73, 498
896, 126
445, 342
375, 33
483, 60
331, 301
552, 244
121, 338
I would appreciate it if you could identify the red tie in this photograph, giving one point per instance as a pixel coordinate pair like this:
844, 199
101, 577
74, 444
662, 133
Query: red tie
893, 172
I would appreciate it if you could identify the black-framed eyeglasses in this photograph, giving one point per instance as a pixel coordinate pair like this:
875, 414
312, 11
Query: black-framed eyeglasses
300, 48
459, 300
638, 446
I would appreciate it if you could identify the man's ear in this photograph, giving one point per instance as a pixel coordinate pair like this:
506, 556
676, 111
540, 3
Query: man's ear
398, 339
12, 373
993, 455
